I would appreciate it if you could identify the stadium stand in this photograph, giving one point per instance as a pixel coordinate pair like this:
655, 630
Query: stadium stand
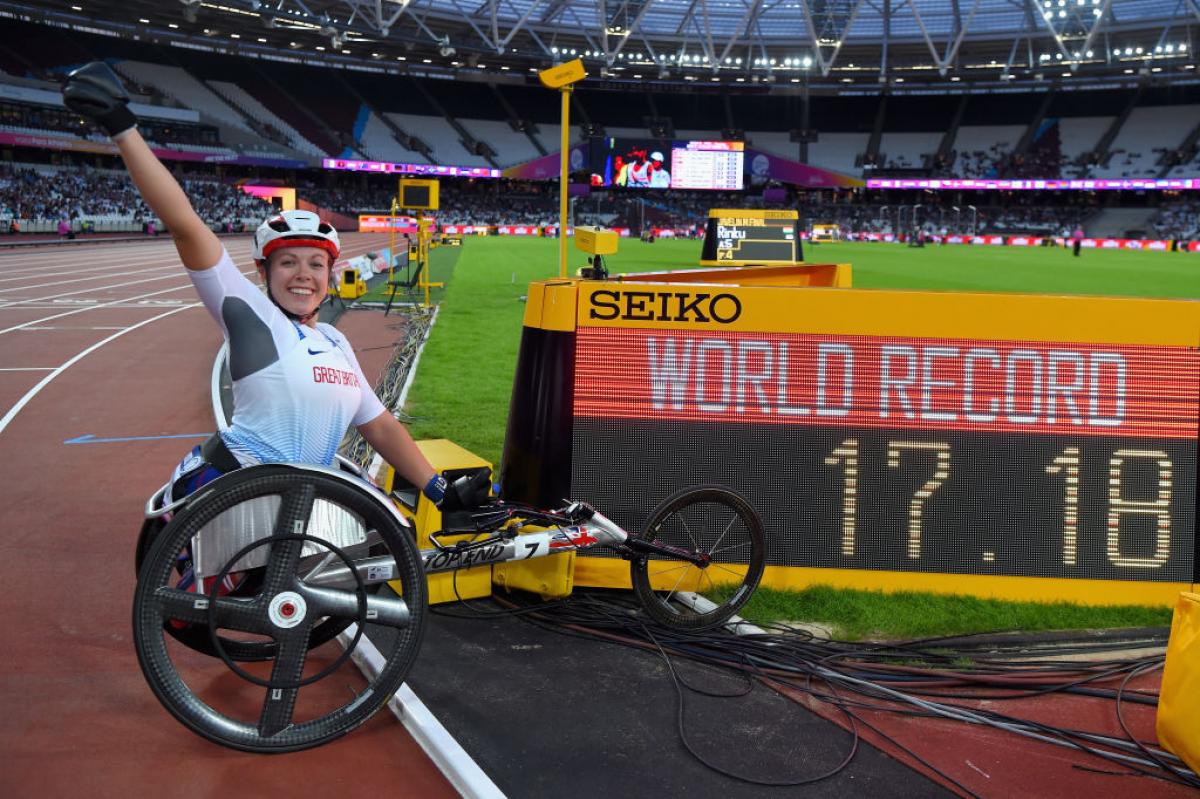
1145, 136
268, 123
175, 82
979, 148
381, 144
512, 146
838, 151
1079, 136
1131, 223
908, 150
441, 138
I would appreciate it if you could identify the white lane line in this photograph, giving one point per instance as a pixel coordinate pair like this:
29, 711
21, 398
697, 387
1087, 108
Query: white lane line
52, 249
72, 327
113, 303
124, 272
27, 368
171, 269
45, 381
93, 289
93, 265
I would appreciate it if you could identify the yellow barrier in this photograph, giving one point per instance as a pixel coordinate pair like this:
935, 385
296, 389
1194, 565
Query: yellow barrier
1178, 721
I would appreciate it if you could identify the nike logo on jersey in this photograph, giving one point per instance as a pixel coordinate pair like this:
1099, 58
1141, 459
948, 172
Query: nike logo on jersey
311, 351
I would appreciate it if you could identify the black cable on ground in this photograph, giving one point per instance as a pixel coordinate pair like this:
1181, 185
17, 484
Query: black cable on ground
905, 677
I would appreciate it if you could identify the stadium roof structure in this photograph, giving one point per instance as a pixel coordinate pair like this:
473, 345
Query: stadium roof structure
847, 45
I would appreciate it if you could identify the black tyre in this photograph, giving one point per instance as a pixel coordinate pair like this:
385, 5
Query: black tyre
196, 636
717, 524
285, 609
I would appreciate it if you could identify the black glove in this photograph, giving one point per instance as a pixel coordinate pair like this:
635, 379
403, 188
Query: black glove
94, 91
468, 492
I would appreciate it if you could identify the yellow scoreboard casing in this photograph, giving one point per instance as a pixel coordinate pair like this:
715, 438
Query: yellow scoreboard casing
751, 237
418, 193
1017, 446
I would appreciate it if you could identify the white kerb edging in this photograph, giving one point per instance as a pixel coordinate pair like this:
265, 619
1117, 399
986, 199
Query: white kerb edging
445, 752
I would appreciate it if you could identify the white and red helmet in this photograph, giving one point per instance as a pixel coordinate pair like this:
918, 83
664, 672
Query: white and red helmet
295, 229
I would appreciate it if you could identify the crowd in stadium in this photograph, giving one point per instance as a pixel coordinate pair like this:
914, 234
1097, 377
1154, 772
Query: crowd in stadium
33, 194
46, 193
26, 193
1178, 220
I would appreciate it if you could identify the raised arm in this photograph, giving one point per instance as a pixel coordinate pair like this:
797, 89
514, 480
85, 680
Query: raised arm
95, 92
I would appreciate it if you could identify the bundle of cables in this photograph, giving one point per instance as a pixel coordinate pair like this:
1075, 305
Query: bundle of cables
916, 679
414, 326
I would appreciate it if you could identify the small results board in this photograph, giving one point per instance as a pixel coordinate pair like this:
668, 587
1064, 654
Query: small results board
418, 194
751, 237
826, 232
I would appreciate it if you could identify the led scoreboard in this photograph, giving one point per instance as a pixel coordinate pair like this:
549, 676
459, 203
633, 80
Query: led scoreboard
714, 165
1010, 445
746, 237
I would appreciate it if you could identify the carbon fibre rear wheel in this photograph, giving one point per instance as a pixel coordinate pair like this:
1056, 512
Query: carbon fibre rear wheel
282, 704
721, 528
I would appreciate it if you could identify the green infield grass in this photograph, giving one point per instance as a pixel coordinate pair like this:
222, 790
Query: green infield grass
855, 615
464, 381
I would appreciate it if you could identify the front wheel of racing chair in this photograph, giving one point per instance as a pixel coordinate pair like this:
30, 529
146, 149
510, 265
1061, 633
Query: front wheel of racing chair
296, 532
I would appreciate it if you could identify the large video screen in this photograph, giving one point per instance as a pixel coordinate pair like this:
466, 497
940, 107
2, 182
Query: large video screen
667, 164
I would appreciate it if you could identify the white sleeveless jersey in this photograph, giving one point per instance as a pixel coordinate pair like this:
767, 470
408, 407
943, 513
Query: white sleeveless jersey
296, 389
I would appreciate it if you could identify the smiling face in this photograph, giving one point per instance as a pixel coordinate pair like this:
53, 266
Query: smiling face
299, 279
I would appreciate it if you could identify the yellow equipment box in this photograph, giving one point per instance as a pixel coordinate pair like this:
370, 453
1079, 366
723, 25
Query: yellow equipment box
551, 576
351, 286
596, 241
452, 461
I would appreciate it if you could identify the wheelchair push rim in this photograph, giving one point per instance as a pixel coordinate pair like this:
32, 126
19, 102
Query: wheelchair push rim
286, 711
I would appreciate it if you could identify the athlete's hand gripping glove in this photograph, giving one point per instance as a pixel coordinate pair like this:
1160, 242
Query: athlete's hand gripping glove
94, 91
468, 492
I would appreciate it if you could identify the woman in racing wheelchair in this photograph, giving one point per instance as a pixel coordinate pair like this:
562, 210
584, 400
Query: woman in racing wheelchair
297, 385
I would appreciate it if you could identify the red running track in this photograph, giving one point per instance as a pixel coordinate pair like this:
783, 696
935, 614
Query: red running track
108, 341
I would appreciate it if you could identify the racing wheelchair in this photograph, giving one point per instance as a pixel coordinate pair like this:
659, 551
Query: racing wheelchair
258, 569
